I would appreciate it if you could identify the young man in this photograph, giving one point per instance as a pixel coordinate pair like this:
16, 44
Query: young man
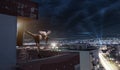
43, 35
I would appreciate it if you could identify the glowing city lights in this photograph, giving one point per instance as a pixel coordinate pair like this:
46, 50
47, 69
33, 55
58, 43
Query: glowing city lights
53, 44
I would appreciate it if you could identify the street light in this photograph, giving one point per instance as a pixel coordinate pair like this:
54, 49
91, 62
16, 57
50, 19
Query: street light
54, 45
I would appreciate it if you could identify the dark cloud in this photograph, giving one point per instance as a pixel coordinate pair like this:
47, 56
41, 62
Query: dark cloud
98, 17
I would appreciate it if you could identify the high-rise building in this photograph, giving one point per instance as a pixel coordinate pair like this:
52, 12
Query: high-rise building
10, 10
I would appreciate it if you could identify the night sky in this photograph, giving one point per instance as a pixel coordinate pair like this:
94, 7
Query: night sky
80, 18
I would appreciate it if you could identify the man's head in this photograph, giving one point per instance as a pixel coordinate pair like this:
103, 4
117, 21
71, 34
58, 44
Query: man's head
45, 35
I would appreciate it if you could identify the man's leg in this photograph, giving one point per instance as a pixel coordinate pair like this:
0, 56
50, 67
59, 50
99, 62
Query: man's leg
38, 49
29, 33
46, 40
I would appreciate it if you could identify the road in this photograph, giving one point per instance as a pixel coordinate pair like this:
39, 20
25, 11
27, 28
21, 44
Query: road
107, 64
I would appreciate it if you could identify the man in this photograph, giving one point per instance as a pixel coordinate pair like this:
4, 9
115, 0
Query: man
43, 35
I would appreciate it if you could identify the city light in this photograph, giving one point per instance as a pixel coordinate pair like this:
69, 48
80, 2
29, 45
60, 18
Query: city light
119, 65
116, 62
53, 44
106, 64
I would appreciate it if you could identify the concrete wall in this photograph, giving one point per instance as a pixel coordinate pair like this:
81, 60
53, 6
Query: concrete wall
85, 63
7, 42
77, 67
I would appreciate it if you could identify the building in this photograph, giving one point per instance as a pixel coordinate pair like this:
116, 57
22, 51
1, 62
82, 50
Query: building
10, 10
24, 8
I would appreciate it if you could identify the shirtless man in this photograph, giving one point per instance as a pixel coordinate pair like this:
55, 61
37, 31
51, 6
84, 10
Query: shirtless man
43, 35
